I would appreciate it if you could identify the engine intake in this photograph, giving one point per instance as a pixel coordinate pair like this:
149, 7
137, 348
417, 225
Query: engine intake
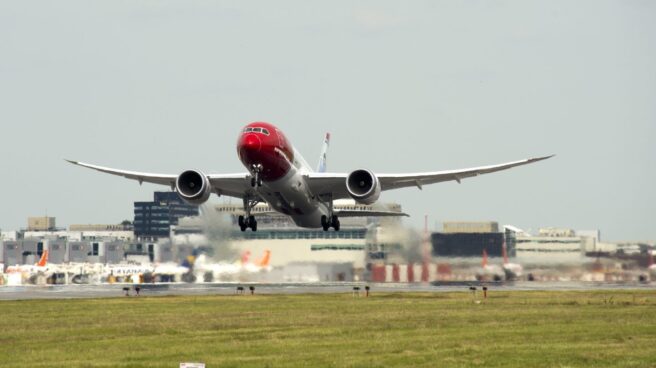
363, 186
193, 186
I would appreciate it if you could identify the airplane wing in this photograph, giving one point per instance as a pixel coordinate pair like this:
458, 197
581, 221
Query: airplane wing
349, 213
335, 184
234, 185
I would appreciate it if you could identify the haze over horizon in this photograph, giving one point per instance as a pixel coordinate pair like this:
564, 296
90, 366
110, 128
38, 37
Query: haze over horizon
401, 86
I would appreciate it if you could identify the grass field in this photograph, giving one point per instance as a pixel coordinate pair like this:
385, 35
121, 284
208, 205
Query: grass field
516, 329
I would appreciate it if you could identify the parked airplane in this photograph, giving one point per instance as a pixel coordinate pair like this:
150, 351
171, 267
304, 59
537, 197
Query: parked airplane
651, 268
513, 271
280, 176
41, 267
224, 271
489, 272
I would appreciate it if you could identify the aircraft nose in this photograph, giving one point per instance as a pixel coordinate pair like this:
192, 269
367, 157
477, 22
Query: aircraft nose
251, 143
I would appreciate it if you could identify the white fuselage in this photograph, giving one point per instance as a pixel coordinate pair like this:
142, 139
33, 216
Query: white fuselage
290, 195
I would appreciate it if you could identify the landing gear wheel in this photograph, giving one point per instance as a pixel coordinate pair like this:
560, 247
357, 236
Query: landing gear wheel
253, 182
327, 224
248, 221
334, 222
242, 223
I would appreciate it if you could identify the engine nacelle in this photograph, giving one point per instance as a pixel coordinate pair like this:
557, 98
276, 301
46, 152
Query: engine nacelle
363, 186
193, 186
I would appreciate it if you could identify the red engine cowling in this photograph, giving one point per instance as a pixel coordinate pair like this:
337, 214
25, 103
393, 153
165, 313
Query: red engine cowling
193, 186
363, 186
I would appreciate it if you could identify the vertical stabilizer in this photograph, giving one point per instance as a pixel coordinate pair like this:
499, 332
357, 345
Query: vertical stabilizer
484, 257
321, 167
264, 261
44, 259
244, 256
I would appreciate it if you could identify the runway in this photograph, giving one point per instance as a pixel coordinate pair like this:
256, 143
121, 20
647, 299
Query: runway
163, 289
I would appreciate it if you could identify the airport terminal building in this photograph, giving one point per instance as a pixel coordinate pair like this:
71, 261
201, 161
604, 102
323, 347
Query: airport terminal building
366, 248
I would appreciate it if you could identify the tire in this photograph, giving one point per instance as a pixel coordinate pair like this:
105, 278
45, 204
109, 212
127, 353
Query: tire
334, 221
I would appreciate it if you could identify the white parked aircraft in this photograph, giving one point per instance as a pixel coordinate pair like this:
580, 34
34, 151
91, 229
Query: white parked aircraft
224, 271
31, 272
489, 272
278, 175
652, 266
513, 271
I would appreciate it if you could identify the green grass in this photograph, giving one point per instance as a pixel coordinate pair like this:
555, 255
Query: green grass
517, 329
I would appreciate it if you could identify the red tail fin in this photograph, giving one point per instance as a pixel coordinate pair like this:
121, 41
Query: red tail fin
484, 257
44, 259
264, 261
244, 256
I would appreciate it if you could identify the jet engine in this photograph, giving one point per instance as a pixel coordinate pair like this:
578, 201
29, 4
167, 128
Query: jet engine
193, 186
363, 186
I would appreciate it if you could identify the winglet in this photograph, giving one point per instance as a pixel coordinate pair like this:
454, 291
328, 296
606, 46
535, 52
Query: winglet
536, 159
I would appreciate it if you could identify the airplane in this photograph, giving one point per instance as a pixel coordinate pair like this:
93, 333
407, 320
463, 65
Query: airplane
489, 272
513, 271
122, 272
278, 175
31, 271
651, 267
227, 271
260, 264
170, 271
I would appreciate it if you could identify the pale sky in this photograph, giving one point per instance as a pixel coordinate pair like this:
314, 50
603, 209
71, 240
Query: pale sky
403, 86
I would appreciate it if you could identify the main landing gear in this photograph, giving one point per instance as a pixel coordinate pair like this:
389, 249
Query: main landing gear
331, 220
248, 220
328, 222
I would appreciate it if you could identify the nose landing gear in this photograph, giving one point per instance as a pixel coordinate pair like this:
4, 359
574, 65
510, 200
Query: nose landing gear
256, 179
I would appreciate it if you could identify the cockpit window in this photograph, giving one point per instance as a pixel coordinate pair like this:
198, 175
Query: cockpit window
256, 130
